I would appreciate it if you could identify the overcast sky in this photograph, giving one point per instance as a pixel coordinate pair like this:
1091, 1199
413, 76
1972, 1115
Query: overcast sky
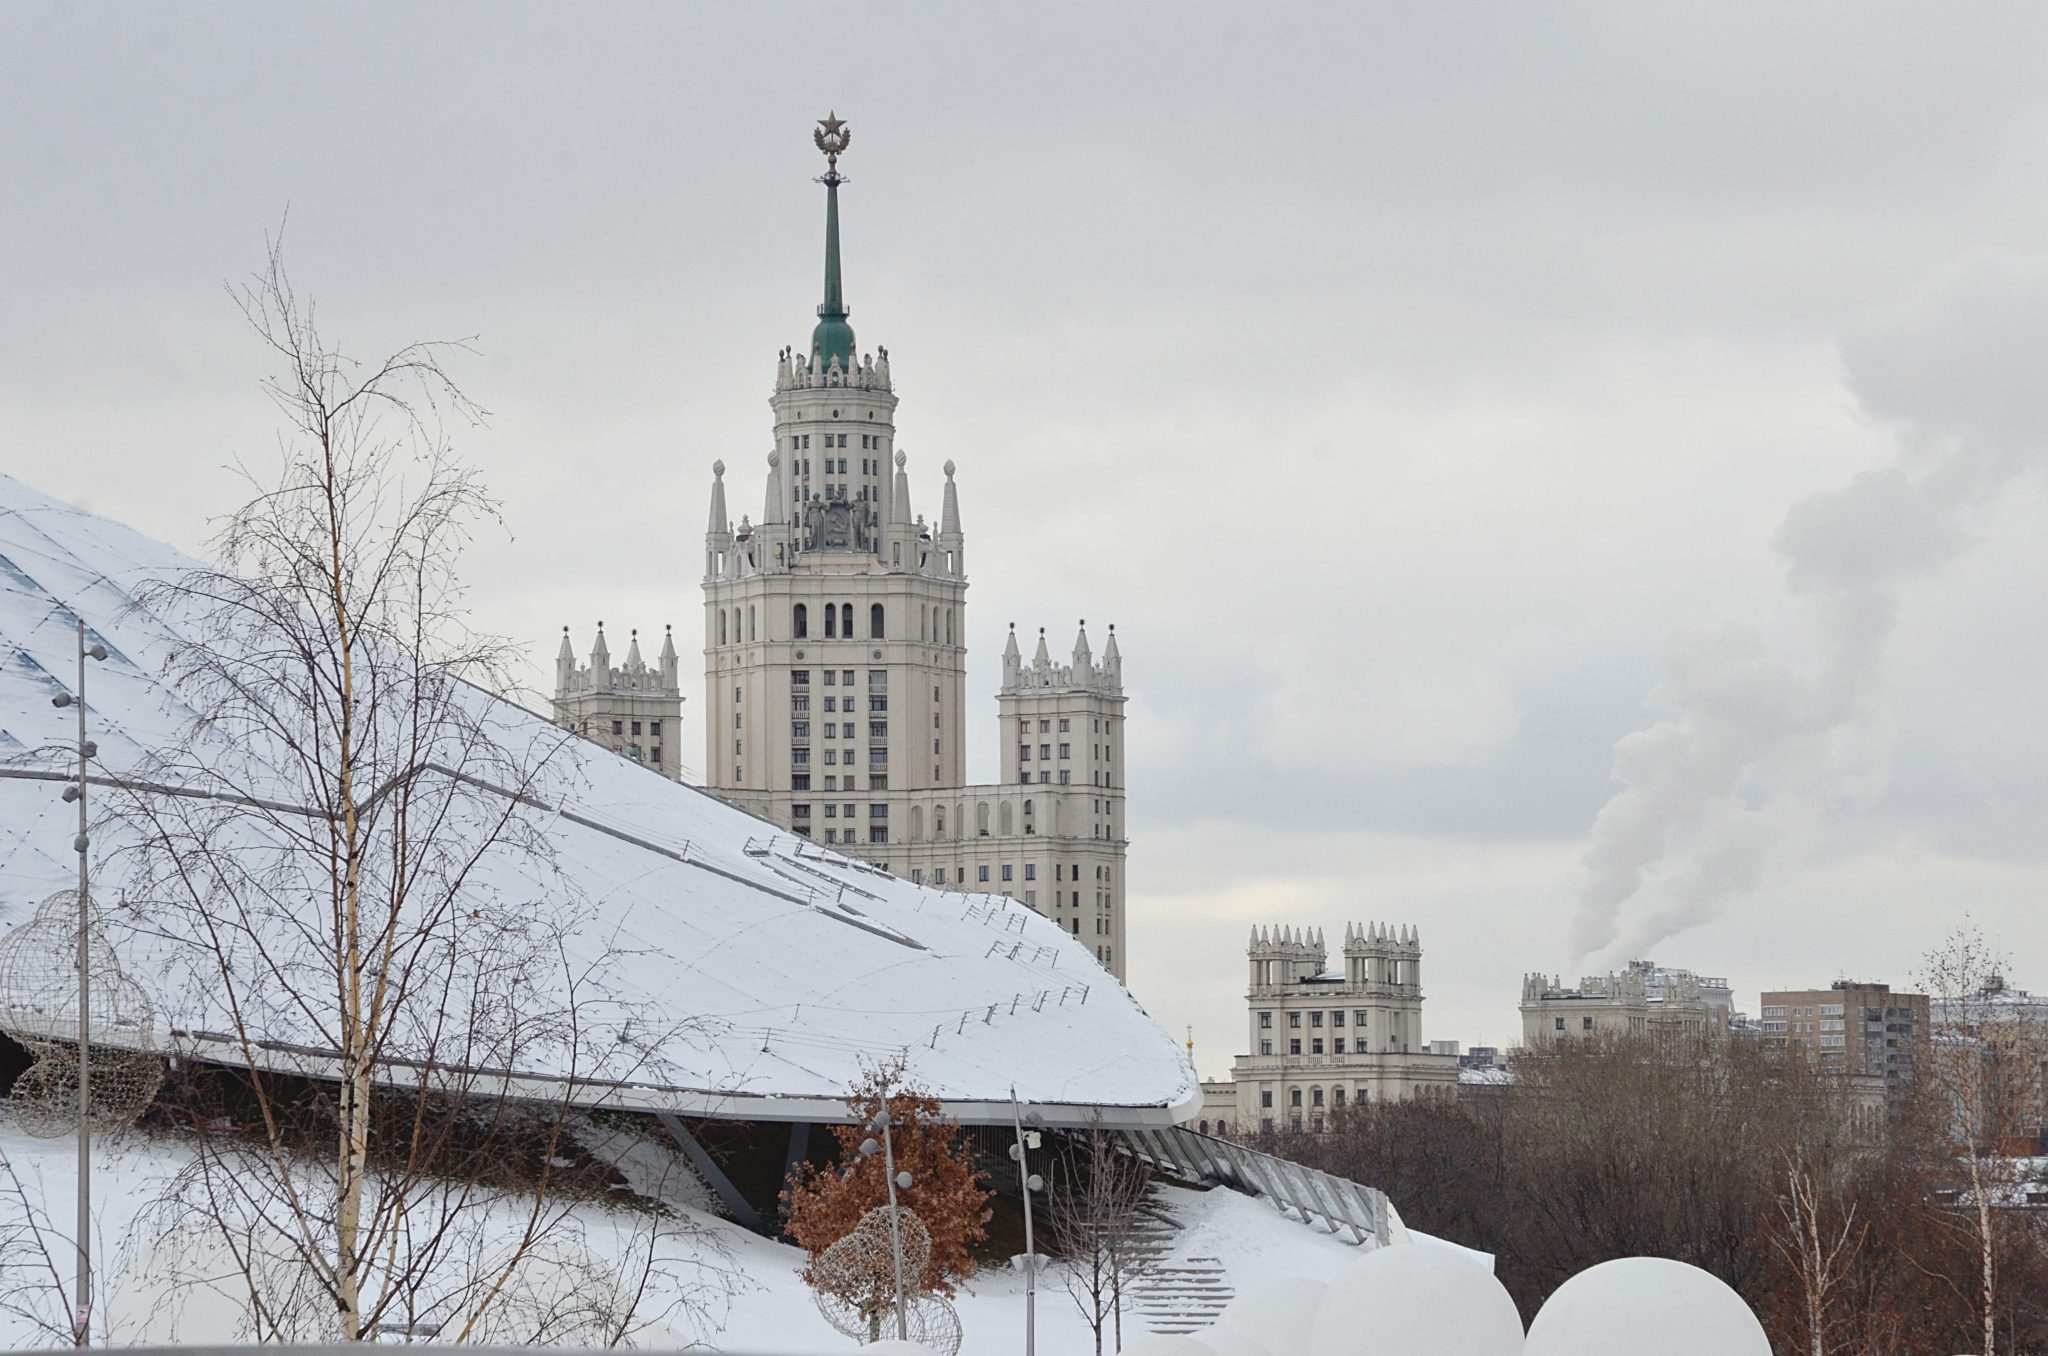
1565, 477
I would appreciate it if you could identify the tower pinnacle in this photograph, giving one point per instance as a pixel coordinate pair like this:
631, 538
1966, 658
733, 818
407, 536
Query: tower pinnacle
833, 337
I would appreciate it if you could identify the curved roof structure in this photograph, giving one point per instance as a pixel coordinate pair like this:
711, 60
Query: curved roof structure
782, 966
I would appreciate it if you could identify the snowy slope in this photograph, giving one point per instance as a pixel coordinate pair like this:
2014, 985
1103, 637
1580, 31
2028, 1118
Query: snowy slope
751, 1299
787, 963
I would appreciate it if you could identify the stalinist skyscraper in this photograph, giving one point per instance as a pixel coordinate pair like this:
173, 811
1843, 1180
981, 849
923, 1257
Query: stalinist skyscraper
835, 659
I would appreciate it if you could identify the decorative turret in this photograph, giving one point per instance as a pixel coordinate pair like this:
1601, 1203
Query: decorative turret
718, 529
1084, 674
634, 710
1013, 659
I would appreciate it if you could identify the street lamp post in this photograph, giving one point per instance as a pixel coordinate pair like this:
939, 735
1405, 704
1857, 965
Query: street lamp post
1030, 1182
81, 1329
888, 1148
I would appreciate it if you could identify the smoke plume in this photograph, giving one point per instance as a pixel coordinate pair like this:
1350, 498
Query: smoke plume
1759, 750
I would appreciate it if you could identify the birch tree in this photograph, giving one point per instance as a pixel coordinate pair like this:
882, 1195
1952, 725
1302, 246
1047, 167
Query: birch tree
353, 843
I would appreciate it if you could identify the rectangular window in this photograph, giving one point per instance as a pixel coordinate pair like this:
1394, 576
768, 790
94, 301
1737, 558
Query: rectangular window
1031, 871
878, 781
831, 757
1023, 753
1315, 1019
846, 677
1337, 1018
831, 705
799, 729
831, 677
878, 680
636, 727
1358, 1019
1006, 871
1294, 1045
831, 783
981, 874
655, 753
1063, 724
1338, 1043
800, 705
878, 705
1066, 777
1265, 1100
1294, 1020
1315, 1046
800, 811
800, 782
1045, 727
1266, 1048
1265, 1021
1031, 898
1560, 1022
1066, 751
831, 729
618, 727
1045, 752
939, 876
878, 729
878, 833
878, 812
879, 755
831, 812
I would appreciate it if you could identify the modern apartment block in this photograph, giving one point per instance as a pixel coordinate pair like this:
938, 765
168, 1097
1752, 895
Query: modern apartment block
1854, 1026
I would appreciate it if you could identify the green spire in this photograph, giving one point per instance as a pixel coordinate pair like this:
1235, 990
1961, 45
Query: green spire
833, 338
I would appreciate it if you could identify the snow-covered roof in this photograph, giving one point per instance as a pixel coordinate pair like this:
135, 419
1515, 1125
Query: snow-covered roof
790, 963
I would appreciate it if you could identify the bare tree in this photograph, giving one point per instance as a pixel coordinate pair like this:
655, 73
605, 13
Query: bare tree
1093, 1211
1984, 1065
349, 828
1818, 1240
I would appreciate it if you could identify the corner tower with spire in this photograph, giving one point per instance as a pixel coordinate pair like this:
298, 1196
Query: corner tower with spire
633, 708
835, 657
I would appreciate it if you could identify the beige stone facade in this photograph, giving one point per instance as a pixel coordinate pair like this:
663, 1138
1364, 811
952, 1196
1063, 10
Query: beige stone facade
633, 708
1853, 1027
1319, 1039
1640, 1000
835, 661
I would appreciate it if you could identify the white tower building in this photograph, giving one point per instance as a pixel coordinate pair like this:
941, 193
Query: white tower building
835, 660
635, 709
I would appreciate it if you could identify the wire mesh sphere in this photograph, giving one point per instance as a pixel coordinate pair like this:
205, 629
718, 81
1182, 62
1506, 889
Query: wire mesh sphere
934, 1325
917, 1240
44, 1099
39, 983
854, 1280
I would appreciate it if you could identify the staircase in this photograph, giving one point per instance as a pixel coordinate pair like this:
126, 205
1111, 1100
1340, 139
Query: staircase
1173, 1294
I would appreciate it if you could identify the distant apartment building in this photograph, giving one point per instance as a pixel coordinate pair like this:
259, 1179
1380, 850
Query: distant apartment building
1645, 998
1854, 1026
1323, 1039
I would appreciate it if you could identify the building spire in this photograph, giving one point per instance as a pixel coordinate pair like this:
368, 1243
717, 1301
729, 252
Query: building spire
833, 338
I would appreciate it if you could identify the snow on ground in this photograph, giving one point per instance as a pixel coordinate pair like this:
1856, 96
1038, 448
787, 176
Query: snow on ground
754, 1301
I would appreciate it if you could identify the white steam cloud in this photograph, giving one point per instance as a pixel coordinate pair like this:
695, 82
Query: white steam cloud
1759, 750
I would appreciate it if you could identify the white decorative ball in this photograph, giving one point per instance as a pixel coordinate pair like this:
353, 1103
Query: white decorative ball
1636, 1304
889, 1346
1276, 1314
1415, 1300
1232, 1342
1168, 1344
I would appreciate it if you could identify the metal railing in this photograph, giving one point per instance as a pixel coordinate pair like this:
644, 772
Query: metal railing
1315, 1197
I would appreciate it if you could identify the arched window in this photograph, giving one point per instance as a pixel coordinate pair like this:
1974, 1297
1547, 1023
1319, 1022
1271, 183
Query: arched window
949, 626
875, 622
981, 820
846, 620
750, 623
721, 626
1205, 1127
831, 621
800, 621
1006, 822
935, 626
1315, 1096
923, 626
917, 823
938, 821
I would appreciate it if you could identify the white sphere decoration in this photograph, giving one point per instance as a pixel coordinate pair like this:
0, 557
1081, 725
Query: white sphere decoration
1276, 1314
1232, 1342
1168, 1344
1636, 1304
1416, 1301
889, 1346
